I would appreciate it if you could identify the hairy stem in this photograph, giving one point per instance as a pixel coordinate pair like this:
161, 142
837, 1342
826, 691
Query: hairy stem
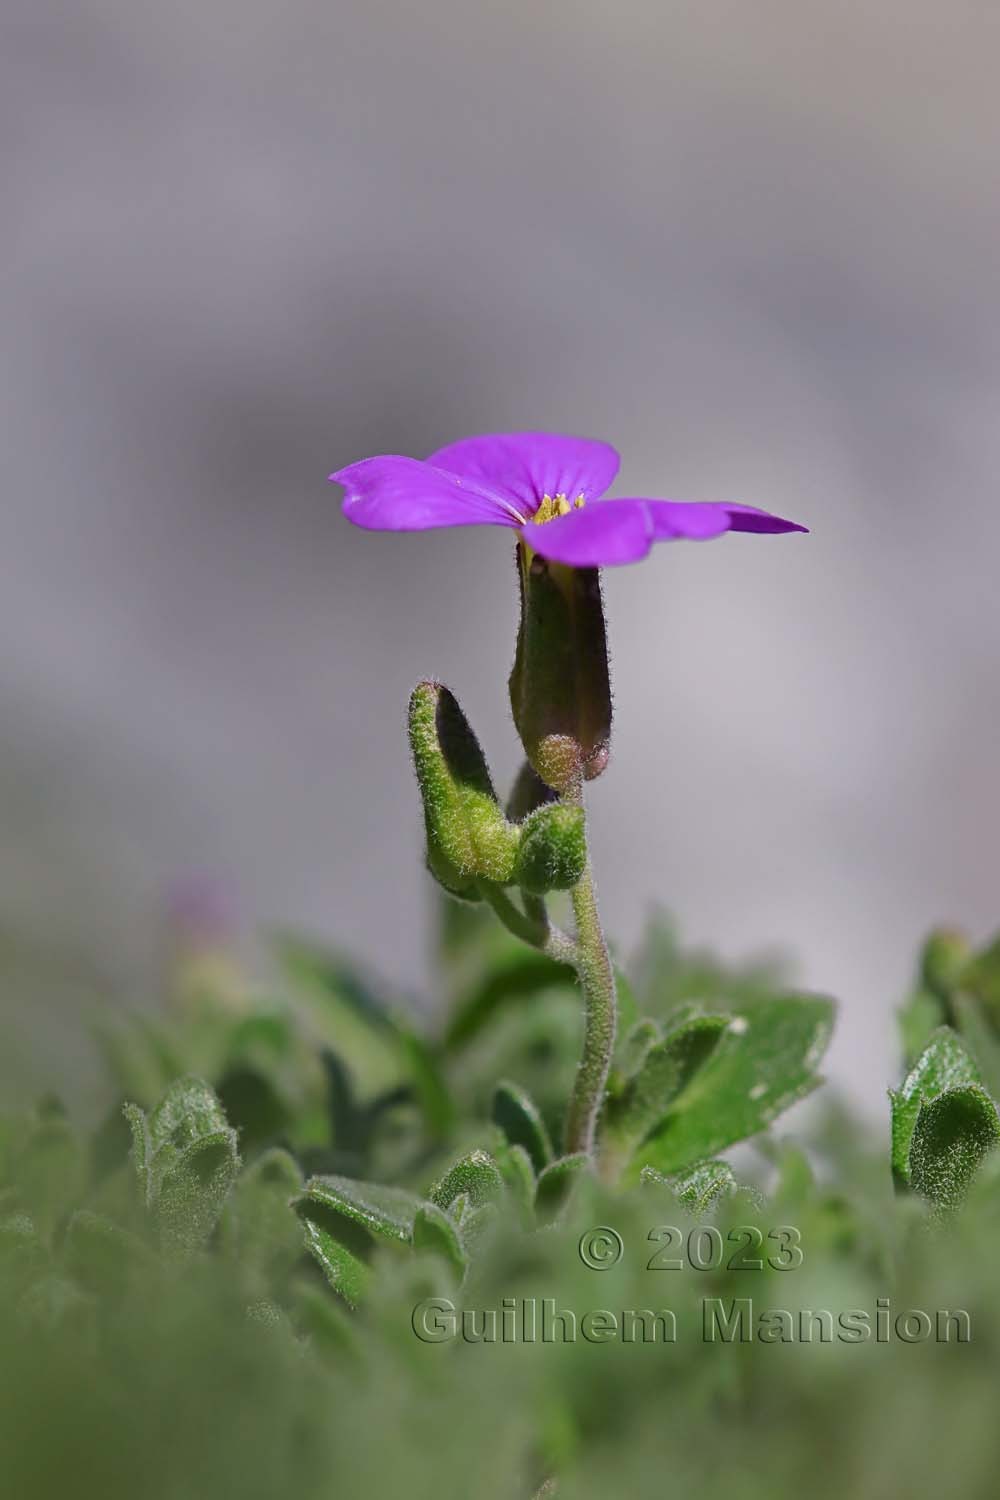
597, 980
532, 926
588, 955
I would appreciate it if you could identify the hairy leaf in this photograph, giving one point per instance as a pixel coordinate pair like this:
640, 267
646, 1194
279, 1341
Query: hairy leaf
953, 1133
943, 1064
765, 1062
517, 1115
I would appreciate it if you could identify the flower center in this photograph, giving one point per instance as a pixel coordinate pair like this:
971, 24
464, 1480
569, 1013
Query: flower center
551, 506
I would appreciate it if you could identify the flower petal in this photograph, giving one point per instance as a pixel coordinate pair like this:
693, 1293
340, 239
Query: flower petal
524, 466
612, 532
391, 493
749, 518
699, 521
596, 536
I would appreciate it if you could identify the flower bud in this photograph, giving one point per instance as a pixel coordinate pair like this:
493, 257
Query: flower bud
553, 849
468, 837
560, 691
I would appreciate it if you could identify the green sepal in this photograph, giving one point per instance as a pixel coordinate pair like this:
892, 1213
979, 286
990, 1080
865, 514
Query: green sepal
560, 691
468, 836
552, 853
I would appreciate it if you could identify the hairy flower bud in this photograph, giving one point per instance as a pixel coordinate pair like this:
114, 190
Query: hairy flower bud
553, 849
468, 837
560, 690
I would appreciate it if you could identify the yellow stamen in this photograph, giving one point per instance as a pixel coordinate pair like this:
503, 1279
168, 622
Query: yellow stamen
552, 506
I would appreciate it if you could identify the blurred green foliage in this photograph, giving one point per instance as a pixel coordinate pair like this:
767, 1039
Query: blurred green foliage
251, 1279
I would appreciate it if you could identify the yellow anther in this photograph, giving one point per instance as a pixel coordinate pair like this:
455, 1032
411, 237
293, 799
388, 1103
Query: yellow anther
551, 506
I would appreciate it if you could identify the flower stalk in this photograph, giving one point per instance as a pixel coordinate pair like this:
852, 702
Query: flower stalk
597, 981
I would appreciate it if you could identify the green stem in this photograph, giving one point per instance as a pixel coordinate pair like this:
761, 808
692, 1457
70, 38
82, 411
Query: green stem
589, 956
597, 980
531, 926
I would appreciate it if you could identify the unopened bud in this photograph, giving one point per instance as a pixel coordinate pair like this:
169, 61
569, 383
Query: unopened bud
553, 851
560, 690
468, 837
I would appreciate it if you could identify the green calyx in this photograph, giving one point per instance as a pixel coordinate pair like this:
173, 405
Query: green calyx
560, 690
468, 837
553, 849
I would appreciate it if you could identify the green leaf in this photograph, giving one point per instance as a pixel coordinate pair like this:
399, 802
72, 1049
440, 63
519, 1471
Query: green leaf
943, 1064
953, 1133
434, 1230
187, 1160
635, 1044
346, 1272
981, 978
103, 1258
517, 1115
980, 1038
386, 1213
351, 1015
188, 1112
519, 978
918, 1019
475, 1177
477, 1224
324, 1320
556, 1184
193, 1190
259, 1229
699, 1188
50, 1173
429, 1082
765, 1062
23, 1257
55, 1307
343, 1219
250, 1100
519, 1175
141, 1146
665, 1072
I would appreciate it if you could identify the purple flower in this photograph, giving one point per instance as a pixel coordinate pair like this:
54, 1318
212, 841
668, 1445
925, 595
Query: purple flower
522, 479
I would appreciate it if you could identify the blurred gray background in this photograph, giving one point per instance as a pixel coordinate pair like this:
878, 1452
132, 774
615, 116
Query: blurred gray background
753, 245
